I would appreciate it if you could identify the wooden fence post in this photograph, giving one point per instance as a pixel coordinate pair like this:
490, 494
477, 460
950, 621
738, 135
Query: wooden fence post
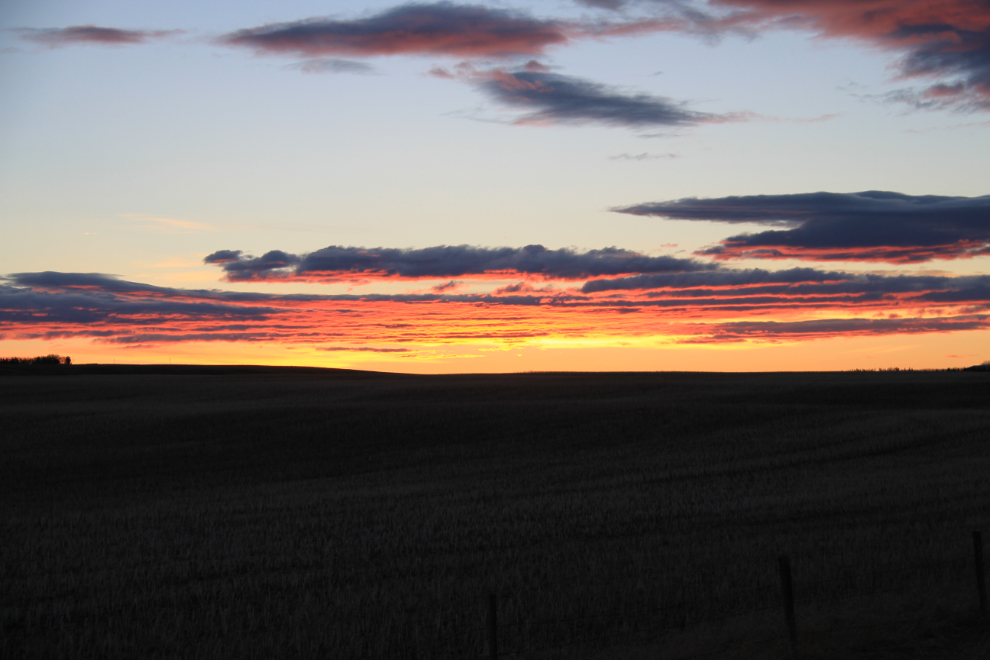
981, 582
787, 588
492, 628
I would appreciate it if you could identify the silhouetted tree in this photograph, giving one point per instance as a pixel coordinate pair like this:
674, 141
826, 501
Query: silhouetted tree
51, 358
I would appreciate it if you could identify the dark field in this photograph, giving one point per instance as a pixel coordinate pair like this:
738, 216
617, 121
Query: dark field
238, 513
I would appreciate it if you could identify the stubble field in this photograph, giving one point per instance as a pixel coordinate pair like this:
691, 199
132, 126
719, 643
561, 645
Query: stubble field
257, 513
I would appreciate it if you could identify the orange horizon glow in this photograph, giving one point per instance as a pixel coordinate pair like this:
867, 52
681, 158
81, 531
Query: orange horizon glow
833, 354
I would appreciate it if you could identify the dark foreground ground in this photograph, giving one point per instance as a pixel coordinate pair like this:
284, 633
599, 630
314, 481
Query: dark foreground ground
161, 512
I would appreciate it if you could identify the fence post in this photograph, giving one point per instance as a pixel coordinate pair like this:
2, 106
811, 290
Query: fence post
787, 588
981, 582
492, 628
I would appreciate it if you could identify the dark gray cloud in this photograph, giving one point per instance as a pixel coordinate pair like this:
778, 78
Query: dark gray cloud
822, 226
91, 34
103, 283
827, 328
723, 278
752, 288
148, 338
97, 293
237, 266
91, 298
441, 28
611, 5
551, 98
339, 263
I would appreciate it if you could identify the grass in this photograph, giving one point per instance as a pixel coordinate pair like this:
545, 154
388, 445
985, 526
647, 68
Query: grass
225, 513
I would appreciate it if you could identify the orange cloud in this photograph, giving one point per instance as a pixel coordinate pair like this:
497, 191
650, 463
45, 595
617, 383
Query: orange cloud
55, 306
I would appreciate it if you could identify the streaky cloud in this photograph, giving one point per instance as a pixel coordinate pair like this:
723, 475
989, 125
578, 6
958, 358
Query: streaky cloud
91, 34
703, 307
714, 279
335, 65
642, 156
612, 5
828, 328
362, 349
866, 226
553, 98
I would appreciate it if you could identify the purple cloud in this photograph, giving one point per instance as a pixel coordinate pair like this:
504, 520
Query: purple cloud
91, 34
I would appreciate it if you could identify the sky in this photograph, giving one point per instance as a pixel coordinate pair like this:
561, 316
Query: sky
587, 185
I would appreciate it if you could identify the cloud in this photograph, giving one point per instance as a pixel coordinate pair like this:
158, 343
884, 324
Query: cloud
452, 285
472, 32
441, 28
947, 40
85, 303
553, 98
867, 226
946, 43
458, 30
717, 279
701, 307
537, 66
807, 288
167, 225
830, 328
240, 267
642, 156
524, 287
334, 65
753, 288
338, 263
368, 349
611, 5
100, 282
91, 34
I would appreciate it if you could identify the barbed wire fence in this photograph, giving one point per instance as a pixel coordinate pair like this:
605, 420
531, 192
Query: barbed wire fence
646, 624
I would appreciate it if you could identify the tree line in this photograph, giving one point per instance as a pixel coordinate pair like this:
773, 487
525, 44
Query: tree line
41, 359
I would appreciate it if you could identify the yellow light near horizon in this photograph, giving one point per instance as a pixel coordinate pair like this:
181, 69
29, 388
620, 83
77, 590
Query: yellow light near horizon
918, 351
